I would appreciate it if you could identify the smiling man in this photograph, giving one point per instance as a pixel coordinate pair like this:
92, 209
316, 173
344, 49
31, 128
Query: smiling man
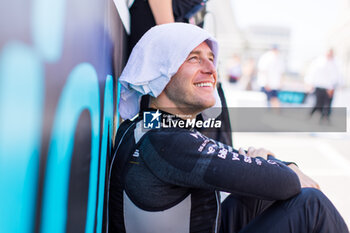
191, 89
168, 179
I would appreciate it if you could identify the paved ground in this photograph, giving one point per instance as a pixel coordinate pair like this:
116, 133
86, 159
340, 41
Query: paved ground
323, 156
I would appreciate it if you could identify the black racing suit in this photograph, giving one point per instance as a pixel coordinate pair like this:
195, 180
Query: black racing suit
168, 180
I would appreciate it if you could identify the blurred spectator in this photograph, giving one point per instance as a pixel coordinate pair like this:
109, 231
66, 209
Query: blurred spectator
248, 74
323, 77
234, 69
270, 70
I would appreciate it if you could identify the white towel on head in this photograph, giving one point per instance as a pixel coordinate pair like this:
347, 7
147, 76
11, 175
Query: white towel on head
155, 59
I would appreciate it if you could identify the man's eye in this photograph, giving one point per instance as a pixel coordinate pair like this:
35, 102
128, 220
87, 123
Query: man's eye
195, 58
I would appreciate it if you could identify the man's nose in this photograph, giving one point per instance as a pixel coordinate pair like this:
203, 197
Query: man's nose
208, 66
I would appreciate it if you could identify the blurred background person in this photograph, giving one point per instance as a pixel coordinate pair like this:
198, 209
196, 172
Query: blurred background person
248, 74
270, 70
234, 70
323, 77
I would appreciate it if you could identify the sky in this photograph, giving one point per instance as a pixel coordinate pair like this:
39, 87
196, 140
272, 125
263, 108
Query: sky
310, 22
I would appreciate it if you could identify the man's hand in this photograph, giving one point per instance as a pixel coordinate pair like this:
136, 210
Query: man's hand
305, 181
252, 152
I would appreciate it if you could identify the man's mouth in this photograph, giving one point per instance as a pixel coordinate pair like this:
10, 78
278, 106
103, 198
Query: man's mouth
204, 84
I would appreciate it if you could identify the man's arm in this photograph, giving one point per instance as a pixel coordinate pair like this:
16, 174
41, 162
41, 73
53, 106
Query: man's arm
192, 160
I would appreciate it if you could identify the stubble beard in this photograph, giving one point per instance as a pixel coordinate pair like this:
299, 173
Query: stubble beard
185, 103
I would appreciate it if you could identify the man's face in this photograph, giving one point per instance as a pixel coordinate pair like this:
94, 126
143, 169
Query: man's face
192, 87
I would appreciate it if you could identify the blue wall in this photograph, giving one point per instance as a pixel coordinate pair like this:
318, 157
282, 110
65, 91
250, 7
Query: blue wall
58, 63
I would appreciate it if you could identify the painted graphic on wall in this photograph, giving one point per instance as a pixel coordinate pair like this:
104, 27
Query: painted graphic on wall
59, 61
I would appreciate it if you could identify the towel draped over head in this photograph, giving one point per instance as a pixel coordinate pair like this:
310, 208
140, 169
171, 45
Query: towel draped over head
155, 59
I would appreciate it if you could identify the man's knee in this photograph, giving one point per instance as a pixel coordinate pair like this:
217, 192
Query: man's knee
314, 202
310, 197
317, 204
311, 193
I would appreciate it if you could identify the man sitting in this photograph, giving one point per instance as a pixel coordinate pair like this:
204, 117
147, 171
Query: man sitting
168, 179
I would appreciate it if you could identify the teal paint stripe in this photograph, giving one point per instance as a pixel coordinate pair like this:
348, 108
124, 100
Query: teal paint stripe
117, 108
80, 92
106, 137
21, 106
